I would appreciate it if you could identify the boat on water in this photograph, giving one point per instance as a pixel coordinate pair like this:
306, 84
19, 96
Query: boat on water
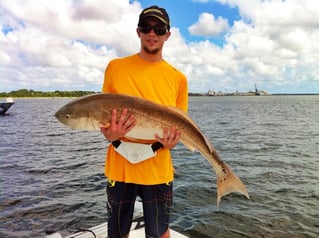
100, 231
4, 106
257, 92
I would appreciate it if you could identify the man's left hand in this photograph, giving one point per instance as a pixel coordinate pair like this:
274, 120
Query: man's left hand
170, 137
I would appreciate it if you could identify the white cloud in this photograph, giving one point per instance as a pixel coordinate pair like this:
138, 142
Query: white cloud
275, 43
208, 26
101, 22
65, 45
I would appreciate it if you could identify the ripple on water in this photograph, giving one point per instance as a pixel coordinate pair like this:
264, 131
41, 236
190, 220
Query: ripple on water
52, 177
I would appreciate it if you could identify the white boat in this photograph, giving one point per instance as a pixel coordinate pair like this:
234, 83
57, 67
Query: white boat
4, 106
100, 231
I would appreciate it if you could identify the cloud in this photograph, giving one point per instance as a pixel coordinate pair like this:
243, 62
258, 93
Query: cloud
208, 26
278, 43
101, 22
274, 44
66, 45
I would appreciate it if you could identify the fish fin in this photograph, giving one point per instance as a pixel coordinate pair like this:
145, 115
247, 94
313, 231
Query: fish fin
228, 182
188, 146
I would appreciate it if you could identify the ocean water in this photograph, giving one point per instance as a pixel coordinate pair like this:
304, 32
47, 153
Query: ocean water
52, 177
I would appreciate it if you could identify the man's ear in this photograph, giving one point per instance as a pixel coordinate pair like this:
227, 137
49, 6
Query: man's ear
168, 34
138, 32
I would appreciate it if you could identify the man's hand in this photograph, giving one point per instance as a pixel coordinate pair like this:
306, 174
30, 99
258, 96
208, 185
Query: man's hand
114, 129
170, 137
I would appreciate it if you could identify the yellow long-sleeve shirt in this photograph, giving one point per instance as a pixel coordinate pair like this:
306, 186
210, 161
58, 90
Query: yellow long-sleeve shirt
155, 81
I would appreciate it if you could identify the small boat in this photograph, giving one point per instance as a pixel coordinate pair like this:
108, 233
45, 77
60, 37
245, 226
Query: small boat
100, 231
4, 106
257, 92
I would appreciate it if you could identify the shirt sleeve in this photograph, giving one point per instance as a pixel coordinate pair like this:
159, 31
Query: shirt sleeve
106, 88
182, 97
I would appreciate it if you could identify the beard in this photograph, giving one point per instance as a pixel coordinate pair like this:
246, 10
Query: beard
151, 51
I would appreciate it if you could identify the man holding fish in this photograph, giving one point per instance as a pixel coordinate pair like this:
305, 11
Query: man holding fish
143, 113
142, 167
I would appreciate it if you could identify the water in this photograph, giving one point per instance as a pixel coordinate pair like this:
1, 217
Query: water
52, 177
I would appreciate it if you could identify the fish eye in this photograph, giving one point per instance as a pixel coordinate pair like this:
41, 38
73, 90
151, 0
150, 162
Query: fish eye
67, 116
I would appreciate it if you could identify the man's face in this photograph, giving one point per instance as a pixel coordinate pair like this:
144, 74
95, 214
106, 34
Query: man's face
153, 33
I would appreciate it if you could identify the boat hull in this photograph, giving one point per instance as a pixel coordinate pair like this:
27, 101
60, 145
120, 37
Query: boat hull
4, 107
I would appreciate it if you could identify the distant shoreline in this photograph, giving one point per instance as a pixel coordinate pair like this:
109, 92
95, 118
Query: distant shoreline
190, 95
26, 93
294, 94
274, 94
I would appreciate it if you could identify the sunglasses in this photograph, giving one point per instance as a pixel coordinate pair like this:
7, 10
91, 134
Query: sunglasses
159, 30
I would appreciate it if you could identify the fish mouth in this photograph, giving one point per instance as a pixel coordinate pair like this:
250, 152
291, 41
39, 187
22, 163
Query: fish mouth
62, 117
57, 115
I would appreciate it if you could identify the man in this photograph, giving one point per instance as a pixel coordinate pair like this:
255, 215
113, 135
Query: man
145, 75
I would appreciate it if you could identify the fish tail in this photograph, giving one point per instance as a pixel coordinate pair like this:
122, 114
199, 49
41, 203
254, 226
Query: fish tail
228, 182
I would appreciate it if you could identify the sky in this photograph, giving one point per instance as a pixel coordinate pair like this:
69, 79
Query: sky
220, 45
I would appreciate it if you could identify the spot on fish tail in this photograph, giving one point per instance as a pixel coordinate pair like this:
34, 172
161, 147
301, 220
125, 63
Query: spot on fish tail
228, 182
223, 178
224, 171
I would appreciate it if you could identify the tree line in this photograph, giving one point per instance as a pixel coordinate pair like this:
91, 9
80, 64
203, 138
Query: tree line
33, 93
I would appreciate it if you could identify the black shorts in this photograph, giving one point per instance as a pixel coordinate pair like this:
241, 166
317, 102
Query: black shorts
157, 203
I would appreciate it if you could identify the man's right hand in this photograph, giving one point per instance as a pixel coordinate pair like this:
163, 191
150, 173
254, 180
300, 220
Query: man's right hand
114, 129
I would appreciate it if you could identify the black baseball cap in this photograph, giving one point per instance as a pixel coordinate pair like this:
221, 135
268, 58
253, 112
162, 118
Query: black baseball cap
154, 11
